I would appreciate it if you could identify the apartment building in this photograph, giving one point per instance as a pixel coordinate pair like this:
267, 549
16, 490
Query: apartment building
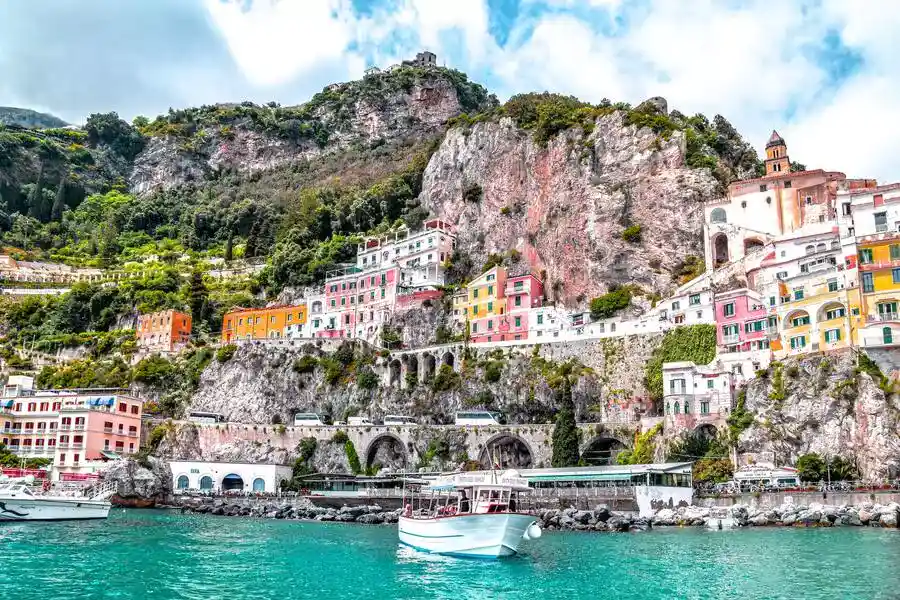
261, 323
164, 331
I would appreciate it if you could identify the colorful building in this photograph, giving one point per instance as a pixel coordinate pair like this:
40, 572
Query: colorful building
79, 430
875, 226
742, 322
696, 395
164, 331
261, 323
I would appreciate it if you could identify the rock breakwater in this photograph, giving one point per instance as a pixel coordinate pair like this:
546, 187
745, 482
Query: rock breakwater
297, 509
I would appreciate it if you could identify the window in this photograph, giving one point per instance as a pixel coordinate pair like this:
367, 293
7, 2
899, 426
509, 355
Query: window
868, 283
474, 327
694, 300
753, 326
490, 307
895, 274
801, 320
835, 313
518, 301
676, 386
772, 300
122, 407
540, 319
490, 324
491, 277
880, 221
832, 285
76, 458
272, 319
62, 459
704, 407
763, 186
676, 305
490, 290
887, 310
728, 309
332, 303
343, 300
182, 482
798, 293
787, 185
687, 407
675, 410
258, 320
518, 321
710, 383
865, 256
781, 275
475, 293
474, 311
290, 317
832, 336
718, 216
887, 335
798, 342
895, 251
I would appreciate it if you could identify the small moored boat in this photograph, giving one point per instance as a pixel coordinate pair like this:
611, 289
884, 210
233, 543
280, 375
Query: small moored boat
469, 514
20, 502
720, 518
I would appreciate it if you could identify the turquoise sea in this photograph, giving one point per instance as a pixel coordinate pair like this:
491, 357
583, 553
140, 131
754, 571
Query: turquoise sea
166, 555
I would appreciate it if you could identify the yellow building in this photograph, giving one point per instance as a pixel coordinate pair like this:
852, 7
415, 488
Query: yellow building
814, 315
879, 284
261, 323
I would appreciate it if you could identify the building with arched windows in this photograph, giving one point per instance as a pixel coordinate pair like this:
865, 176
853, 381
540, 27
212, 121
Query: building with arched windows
222, 477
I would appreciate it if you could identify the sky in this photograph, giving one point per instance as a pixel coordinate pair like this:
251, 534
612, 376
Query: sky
821, 72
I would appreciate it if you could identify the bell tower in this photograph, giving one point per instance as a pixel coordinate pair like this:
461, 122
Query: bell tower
777, 161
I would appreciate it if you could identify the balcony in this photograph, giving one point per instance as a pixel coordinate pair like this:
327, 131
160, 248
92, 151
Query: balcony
879, 265
132, 434
731, 338
65, 427
78, 428
107, 430
884, 317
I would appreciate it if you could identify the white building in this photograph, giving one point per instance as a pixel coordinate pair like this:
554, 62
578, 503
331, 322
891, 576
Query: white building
547, 324
225, 476
696, 395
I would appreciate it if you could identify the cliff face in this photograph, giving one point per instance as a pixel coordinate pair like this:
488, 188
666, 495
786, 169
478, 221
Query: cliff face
402, 108
565, 207
822, 405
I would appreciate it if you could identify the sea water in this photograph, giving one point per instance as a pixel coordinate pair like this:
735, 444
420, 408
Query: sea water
167, 555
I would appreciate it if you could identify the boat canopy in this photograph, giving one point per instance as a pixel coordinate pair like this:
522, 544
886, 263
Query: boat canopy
507, 479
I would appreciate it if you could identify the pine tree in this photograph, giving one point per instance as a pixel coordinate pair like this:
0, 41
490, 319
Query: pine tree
565, 431
59, 205
229, 248
252, 241
36, 197
197, 297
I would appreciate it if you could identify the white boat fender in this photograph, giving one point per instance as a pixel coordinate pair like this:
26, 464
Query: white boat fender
533, 532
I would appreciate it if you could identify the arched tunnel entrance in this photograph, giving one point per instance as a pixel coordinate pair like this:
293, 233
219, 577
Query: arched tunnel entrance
429, 361
506, 451
602, 451
386, 451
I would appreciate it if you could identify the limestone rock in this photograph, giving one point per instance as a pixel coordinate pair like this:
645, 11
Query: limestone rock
143, 484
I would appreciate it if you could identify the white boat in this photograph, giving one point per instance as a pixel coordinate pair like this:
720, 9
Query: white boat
469, 514
20, 502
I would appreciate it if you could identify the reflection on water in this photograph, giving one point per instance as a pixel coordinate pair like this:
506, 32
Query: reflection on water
151, 554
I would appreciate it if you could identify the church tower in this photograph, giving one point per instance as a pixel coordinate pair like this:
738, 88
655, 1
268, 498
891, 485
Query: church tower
777, 161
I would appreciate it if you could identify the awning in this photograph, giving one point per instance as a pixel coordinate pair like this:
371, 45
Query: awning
110, 455
6, 403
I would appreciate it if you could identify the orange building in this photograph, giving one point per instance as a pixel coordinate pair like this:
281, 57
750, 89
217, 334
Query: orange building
261, 323
164, 331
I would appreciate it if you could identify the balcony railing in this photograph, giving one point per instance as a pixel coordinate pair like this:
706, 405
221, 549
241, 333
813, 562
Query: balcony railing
65, 427
883, 317
107, 430
732, 338
132, 434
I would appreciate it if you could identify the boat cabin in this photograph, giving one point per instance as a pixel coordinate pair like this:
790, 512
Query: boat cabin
478, 492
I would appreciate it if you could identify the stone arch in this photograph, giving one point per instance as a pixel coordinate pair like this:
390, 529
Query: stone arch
718, 215
232, 481
412, 367
706, 431
602, 450
259, 484
394, 372
508, 450
387, 450
821, 314
428, 366
752, 244
794, 314
448, 359
720, 249
206, 483
317, 306
183, 482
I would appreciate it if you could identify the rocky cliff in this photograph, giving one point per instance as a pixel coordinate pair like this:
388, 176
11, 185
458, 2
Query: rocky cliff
824, 405
564, 207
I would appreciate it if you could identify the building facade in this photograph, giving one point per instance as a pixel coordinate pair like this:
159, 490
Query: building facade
227, 477
80, 431
164, 331
696, 395
246, 324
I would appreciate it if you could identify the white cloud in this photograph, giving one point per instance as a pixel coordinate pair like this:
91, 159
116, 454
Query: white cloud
275, 41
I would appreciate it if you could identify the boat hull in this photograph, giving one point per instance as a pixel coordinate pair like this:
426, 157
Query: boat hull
482, 535
47, 509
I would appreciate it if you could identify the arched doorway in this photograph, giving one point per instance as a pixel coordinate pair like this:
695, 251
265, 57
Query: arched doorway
412, 369
386, 451
429, 366
720, 249
602, 451
394, 372
232, 482
182, 482
506, 450
259, 485
448, 359
752, 244
706, 432
206, 483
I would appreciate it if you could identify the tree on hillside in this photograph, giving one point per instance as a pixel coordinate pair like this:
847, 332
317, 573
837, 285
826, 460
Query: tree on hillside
198, 297
36, 197
565, 431
229, 248
59, 204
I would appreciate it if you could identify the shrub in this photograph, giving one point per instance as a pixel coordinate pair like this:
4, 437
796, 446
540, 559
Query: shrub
446, 379
155, 371
367, 379
505, 211
305, 364
492, 371
565, 430
644, 448
339, 437
810, 467
225, 353
352, 457
473, 193
632, 234
344, 353
606, 305
334, 370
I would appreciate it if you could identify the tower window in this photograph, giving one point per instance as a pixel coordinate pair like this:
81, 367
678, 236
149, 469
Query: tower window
763, 187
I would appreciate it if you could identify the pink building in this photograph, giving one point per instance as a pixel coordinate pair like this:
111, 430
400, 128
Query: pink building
80, 430
499, 306
741, 321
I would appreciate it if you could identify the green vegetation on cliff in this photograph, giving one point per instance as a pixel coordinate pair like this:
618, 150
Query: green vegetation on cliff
695, 343
565, 431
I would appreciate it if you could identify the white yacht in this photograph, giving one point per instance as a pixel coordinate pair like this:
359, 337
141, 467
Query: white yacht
469, 514
19, 501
